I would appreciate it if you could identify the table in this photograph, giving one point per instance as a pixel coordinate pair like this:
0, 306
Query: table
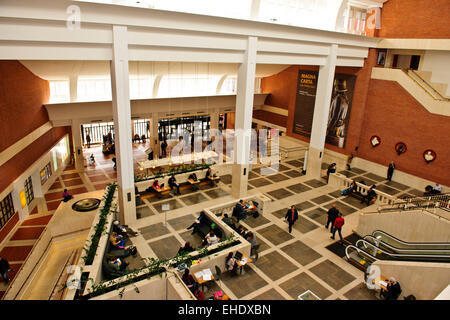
213, 179
183, 159
241, 264
194, 183
200, 279
162, 190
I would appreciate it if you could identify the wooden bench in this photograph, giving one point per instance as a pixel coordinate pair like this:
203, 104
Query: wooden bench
359, 196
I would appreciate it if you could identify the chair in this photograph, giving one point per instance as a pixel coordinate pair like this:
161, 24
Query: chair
218, 273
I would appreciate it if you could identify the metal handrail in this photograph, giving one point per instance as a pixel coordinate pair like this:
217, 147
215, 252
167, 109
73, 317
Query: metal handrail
440, 97
396, 256
399, 250
409, 243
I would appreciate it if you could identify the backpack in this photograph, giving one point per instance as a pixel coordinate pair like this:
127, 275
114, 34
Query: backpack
255, 214
133, 250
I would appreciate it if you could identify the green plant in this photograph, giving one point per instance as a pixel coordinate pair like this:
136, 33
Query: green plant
100, 227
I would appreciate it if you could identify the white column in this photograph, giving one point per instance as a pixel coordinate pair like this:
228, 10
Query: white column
321, 113
122, 125
73, 87
78, 145
154, 137
243, 119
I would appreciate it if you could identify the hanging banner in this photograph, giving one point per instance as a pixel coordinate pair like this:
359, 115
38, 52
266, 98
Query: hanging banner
341, 102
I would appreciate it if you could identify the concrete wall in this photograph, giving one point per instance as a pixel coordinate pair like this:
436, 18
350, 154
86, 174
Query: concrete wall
438, 62
422, 279
416, 226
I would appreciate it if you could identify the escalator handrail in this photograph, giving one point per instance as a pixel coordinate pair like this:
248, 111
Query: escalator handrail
411, 243
400, 250
359, 250
399, 255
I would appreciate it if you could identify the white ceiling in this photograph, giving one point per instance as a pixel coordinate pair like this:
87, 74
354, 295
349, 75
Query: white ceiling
64, 70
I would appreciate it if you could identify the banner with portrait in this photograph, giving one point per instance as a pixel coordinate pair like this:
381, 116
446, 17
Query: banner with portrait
341, 102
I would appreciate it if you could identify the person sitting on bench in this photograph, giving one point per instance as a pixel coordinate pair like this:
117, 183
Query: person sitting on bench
193, 177
117, 264
371, 194
117, 241
122, 230
351, 189
239, 211
156, 187
186, 248
136, 137
231, 264
189, 280
66, 195
241, 231
210, 239
393, 290
199, 221
143, 138
174, 185
228, 221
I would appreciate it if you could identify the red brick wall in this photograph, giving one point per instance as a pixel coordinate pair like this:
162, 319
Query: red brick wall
9, 226
415, 19
395, 116
283, 86
13, 168
22, 95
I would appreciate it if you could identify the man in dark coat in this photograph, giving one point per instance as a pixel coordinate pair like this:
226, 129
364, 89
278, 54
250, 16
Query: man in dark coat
332, 215
239, 211
291, 217
390, 171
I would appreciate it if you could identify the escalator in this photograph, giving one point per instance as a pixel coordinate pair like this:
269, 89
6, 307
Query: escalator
383, 246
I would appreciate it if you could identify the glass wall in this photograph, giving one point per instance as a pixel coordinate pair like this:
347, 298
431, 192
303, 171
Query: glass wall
6, 210
96, 131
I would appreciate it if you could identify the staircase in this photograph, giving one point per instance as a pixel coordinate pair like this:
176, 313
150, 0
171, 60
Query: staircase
435, 90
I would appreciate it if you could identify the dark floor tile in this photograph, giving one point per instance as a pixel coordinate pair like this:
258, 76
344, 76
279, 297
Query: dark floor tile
271, 294
261, 182
303, 206
280, 213
226, 178
301, 253
301, 283
251, 279
317, 214
343, 208
165, 248
216, 193
194, 199
280, 194
182, 222
386, 189
167, 205
154, 231
275, 234
324, 165
298, 188
304, 225
416, 193
336, 194
255, 222
373, 177
296, 163
332, 274
274, 265
347, 173
282, 167
277, 177
293, 173
367, 181
143, 212
253, 175
358, 171
314, 183
322, 199
360, 292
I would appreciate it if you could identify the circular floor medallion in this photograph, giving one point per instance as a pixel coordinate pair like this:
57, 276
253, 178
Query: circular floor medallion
88, 204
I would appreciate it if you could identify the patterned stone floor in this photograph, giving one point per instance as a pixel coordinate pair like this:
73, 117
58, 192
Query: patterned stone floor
288, 264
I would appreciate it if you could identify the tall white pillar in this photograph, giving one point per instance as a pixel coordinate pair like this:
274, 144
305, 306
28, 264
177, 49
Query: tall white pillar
78, 145
122, 125
243, 120
154, 137
321, 113
73, 88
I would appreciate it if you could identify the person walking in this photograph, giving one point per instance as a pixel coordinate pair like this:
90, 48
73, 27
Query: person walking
291, 217
338, 223
88, 140
349, 161
164, 148
390, 171
4, 268
333, 213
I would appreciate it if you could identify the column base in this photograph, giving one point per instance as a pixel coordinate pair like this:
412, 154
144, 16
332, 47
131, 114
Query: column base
239, 180
314, 163
127, 209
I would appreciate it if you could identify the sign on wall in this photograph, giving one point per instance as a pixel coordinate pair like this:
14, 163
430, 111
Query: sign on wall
341, 102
